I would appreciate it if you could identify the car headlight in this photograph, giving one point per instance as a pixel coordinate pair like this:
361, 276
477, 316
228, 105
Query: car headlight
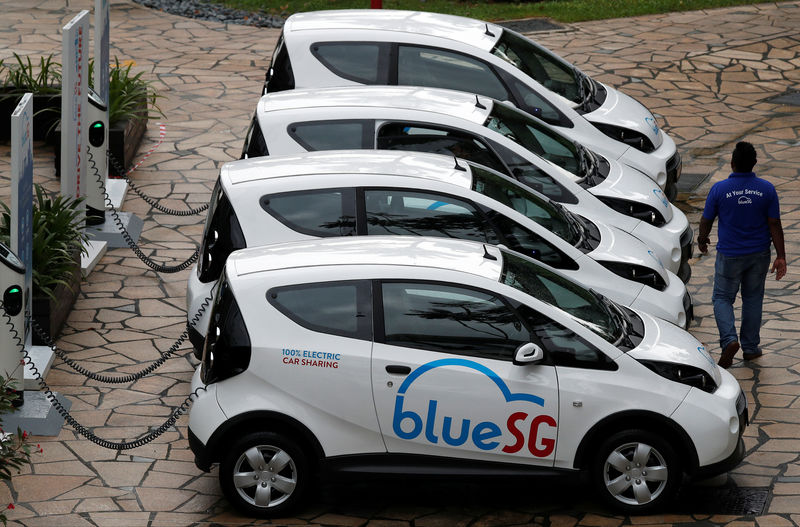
624, 135
682, 373
637, 273
640, 211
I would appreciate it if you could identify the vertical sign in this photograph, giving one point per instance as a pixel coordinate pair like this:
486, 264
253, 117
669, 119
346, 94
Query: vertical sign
101, 59
22, 197
74, 83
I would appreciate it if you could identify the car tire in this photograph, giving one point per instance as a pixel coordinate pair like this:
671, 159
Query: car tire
264, 474
636, 471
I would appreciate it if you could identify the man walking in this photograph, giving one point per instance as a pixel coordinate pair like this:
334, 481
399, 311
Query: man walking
749, 220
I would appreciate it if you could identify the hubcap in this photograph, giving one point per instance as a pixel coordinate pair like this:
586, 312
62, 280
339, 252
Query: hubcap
635, 473
265, 476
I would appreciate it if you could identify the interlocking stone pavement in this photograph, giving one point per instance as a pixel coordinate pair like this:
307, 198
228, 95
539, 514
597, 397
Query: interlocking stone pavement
709, 76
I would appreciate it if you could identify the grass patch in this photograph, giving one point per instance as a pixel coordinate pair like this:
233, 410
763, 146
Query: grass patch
559, 10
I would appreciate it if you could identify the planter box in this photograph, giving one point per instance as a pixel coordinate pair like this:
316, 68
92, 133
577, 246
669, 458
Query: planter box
51, 314
46, 112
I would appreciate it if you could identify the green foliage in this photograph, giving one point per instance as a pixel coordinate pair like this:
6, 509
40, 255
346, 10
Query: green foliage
14, 449
22, 77
129, 94
58, 235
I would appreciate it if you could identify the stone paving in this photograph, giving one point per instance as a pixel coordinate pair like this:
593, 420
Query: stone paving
710, 77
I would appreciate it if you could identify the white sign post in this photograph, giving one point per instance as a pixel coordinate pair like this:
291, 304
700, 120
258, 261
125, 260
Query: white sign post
74, 85
101, 58
22, 215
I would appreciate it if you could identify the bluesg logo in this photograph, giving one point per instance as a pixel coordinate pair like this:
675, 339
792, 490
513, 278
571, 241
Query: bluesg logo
485, 435
656, 258
706, 355
652, 124
660, 195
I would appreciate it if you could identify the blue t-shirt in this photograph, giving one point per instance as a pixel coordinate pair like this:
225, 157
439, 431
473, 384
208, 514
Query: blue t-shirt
743, 203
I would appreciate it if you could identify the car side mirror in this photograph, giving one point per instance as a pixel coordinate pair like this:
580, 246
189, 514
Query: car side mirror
528, 353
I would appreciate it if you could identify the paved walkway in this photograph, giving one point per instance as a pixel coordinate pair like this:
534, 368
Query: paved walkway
710, 77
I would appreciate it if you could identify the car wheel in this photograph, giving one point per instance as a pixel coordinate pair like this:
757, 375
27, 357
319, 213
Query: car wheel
264, 474
636, 471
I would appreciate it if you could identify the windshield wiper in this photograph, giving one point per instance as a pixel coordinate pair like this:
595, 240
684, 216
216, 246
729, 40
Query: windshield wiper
575, 225
619, 325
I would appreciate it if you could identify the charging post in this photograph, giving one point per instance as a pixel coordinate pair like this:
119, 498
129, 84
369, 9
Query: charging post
98, 141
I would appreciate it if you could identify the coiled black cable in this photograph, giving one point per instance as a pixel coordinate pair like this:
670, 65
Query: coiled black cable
151, 201
160, 268
82, 430
131, 376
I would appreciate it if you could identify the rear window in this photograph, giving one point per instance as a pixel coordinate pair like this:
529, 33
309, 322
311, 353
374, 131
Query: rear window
254, 143
336, 308
333, 135
329, 212
280, 76
355, 61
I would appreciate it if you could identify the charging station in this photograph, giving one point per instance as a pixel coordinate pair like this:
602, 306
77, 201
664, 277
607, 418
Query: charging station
98, 139
12, 280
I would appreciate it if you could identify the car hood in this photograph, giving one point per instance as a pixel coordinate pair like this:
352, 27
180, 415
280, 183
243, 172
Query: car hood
617, 245
623, 110
629, 184
667, 342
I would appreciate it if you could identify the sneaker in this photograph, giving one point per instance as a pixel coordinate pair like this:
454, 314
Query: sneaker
752, 355
726, 358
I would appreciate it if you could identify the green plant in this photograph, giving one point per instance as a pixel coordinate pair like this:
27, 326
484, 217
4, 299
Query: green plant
14, 448
25, 77
126, 92
58, 235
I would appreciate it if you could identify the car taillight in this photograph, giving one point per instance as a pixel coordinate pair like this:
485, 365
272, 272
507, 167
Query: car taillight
222, 236
226, 351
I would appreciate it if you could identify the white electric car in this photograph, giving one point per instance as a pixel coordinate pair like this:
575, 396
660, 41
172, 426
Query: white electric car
427, 355
484, 131
359, 193
379, 46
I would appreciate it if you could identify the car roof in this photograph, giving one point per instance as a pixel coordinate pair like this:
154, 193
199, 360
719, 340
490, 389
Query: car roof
404, 251
342, 162
468, 31
447, 102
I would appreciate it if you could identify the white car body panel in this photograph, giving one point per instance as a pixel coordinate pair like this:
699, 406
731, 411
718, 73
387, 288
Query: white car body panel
475, 38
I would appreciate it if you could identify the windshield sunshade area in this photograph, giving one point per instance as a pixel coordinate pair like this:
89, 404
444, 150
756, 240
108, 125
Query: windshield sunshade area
543, 212
584, 306
540, 64
538, 138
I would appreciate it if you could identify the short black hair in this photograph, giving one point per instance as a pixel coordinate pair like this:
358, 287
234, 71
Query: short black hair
744, 157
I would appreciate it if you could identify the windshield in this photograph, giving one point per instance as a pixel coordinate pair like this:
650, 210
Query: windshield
542, 211
581, 304
536, 137
540, 64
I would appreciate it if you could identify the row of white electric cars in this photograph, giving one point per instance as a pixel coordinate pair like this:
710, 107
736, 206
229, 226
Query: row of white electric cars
417, 280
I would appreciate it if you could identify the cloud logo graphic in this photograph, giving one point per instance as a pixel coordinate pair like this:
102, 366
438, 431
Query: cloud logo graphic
509, 397
744, 200
706, 355
660, 195
656, 258
652, 124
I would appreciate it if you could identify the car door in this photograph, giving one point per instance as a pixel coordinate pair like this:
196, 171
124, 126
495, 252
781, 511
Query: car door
444, 381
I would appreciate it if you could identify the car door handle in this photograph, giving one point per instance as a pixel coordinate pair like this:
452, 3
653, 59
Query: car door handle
397, 369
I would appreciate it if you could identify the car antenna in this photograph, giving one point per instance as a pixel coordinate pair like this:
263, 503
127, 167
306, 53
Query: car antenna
487, 255
478, 103
489, 33
458, 167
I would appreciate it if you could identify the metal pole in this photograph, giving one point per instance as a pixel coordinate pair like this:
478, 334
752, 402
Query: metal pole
376, 4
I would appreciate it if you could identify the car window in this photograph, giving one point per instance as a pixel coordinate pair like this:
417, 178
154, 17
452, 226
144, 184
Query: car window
337, 308
356, 61
513, 195
254, 143
405, 212
532, 176
417, 137
549, 287
280, 76
535, 136
532, 102
527, 242
437, 68
450, 319
329, 212
563, 347
539, 63
333, 135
